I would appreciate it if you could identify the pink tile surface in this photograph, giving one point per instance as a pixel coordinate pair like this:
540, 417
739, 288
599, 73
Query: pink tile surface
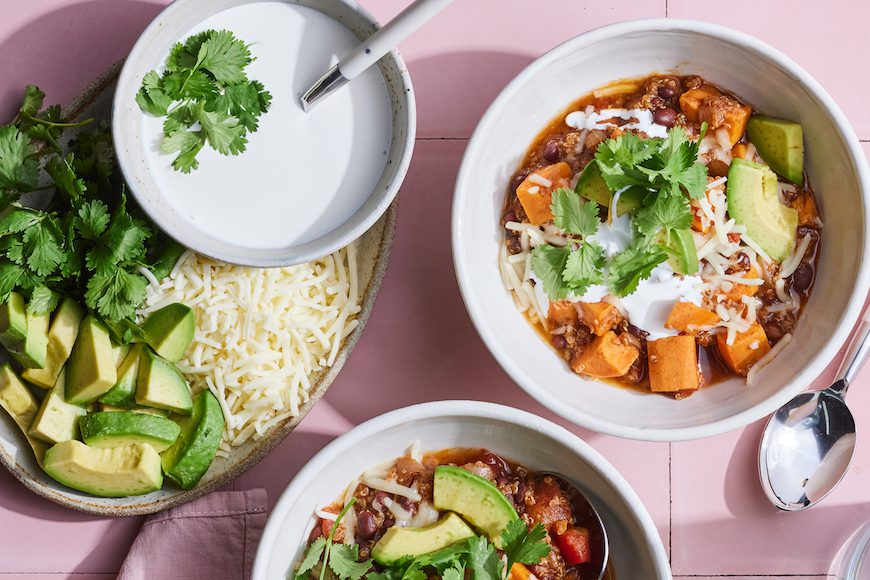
824, 38
419, 329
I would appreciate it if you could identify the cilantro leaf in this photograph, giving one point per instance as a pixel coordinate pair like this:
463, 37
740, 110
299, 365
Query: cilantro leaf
523, 545
224, 56
184, 55
32, 102
17, 220
42, 247
583, 268
455, 572
18, 170
246, 101
65, 179
223, 132
635, 263
343, 561
483, 560
10, 275
115, 294
42, 300
152, 97
548, 263
667, 212
312, 557
573, 215
92, 219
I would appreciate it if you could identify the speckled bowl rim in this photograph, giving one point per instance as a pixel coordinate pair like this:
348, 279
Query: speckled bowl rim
276, 434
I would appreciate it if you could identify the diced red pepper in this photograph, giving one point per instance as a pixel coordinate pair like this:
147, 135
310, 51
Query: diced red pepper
574, 545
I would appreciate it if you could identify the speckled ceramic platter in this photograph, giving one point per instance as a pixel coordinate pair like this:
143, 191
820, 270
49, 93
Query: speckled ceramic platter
15, 454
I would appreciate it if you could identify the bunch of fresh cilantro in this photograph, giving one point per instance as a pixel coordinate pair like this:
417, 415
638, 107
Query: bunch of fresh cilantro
665, 174
476, 555
86, 243
205, 96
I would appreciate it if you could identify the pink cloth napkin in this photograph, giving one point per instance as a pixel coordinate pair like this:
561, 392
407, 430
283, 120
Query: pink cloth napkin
214, 537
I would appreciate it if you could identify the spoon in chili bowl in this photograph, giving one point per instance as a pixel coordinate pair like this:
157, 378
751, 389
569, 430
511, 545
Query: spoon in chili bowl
808, 444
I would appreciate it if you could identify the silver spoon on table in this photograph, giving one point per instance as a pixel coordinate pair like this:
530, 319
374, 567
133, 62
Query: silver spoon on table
809, 442
373, 49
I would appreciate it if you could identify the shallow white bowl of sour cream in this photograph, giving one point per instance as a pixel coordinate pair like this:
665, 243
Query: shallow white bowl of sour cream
636, 549
308, 183
762, 76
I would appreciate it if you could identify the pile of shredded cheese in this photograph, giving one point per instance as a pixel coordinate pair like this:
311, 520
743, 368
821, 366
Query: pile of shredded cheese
261, 334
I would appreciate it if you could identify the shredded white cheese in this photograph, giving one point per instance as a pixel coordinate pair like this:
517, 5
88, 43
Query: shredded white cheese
261, 334
388, 486
767, 358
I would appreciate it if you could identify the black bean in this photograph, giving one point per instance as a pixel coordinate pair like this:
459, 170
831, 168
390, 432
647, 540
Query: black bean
498, 465
559, 341
665, 117
773, 330
408, 504
366, 525
518, 179
552, 151
667, 92
802, 278
510, 216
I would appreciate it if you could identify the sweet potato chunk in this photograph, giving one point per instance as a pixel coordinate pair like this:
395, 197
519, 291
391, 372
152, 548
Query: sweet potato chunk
519, 572
599, 316
739, 151
673, 364
739, 290
561, 313
686, 317
748, 347
536, 196
808, 213
725, 111
608, 356
691, 100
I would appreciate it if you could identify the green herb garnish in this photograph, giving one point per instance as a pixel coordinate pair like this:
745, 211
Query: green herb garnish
205, 86
665, 174
86, 243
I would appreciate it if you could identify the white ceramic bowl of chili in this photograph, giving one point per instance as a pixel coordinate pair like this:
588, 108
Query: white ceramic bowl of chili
754, 71
636, 547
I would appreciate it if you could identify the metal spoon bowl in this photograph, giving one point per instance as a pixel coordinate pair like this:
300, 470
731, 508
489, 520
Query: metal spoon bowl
808, 444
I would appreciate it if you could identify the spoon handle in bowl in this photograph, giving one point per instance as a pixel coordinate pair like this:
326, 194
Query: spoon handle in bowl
856, 356
384, 40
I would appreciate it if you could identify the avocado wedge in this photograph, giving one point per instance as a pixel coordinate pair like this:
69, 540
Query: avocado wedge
401, 543
116, 472
61, 337
780, 143
13, 322
17, 400
169, 331
57, 420
161, 385
474, 498
120, 429
91, 370
190, 457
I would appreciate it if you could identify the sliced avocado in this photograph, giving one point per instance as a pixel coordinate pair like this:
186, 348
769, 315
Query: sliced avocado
34, 350
13, 322
400, 543
591, 186
61, 337
475, 499
120, 352
17, 400
57, 420
144, 410
753, 200
170, 330
190, 457
123, 394
684, 260
90, 371
160, 384
780, 143
120, 429
116, 472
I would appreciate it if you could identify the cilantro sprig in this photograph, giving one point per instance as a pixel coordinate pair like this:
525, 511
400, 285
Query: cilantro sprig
205, 96
87, 243
664, 174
